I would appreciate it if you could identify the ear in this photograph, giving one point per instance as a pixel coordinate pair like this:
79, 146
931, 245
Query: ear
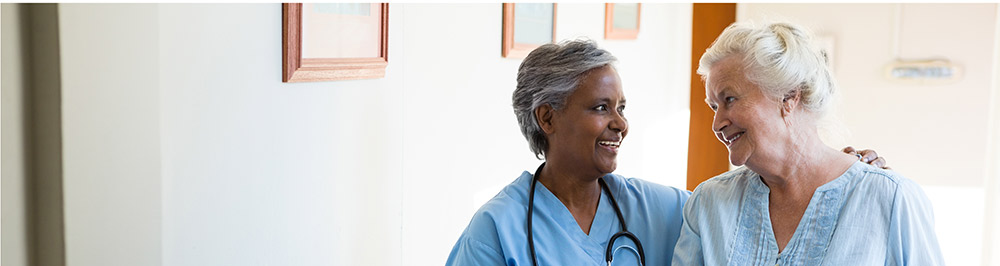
544, 115
790, 101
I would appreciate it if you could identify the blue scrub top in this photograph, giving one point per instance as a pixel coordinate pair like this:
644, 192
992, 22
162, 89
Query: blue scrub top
497, 233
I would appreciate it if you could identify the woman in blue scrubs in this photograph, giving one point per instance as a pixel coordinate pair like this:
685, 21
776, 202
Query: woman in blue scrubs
570, 106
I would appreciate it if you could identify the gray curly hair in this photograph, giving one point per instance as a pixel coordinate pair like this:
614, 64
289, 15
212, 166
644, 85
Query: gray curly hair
548, 76
781, 58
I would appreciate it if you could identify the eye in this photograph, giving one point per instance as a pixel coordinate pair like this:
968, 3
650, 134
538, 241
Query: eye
621, 110
714, 107
603, 107
730, 99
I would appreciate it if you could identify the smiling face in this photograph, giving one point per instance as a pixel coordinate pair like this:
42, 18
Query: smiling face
589, 129
746, 121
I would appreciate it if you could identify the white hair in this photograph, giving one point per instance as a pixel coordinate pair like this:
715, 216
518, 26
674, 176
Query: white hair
780, 58
547, 76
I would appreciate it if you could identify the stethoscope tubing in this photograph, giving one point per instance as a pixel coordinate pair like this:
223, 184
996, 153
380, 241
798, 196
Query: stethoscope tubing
608, 255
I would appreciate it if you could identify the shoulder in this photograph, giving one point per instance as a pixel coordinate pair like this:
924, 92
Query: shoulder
643, 190
718, 196
725, 185
885, 183
912, 238
500, 215
868, 174
905, 193
901, 198
500, 218
654, 209
509, 203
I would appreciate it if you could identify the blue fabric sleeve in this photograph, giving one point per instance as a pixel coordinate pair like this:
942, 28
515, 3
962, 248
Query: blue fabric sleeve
912, 240
479, 243
688, 250
469, 251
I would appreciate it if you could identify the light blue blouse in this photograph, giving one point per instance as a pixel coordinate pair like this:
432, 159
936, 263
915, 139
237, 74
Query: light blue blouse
867, 216
497, 233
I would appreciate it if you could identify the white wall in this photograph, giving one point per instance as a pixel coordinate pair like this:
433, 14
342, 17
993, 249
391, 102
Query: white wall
933, 134
259, 172
991, 233
111, 134
14, 228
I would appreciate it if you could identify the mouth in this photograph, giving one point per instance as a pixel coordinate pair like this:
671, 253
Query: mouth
728, 140
610, 145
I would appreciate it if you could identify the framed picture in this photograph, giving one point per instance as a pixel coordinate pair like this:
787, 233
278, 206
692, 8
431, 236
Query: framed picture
341, 41
527, 26
621, 21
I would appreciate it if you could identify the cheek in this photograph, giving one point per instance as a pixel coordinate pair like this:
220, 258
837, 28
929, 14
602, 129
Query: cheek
594, 128
767, 126
586, 133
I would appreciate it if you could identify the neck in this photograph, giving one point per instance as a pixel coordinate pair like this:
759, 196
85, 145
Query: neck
801, 166
575, 190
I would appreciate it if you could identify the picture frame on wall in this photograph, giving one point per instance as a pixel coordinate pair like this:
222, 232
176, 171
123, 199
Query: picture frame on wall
527, 26
621, 21
337, 41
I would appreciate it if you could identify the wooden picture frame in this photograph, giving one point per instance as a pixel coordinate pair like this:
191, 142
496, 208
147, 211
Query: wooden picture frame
511, 48
623, 30
295, 68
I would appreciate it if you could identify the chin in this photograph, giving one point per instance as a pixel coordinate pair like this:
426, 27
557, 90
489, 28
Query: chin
609, 168
737, 160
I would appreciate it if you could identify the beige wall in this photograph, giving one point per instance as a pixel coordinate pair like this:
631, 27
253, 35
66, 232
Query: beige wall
991, 236
111, 133
14, 228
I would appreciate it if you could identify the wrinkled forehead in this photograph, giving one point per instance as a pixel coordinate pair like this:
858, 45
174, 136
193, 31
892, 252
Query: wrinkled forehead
728, 70
725, 80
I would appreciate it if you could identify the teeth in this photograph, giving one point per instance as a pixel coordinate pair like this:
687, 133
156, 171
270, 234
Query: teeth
610, 143
734, 137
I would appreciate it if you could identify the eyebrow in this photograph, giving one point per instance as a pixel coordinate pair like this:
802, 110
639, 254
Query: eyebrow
608, 100
722, 92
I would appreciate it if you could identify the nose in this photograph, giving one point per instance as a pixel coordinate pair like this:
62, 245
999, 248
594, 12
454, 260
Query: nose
619, 123
719, 122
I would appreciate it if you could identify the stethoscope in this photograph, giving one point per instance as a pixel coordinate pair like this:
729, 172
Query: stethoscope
611, 242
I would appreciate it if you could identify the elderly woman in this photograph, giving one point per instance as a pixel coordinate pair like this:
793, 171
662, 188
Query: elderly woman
796, 201
570, 106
